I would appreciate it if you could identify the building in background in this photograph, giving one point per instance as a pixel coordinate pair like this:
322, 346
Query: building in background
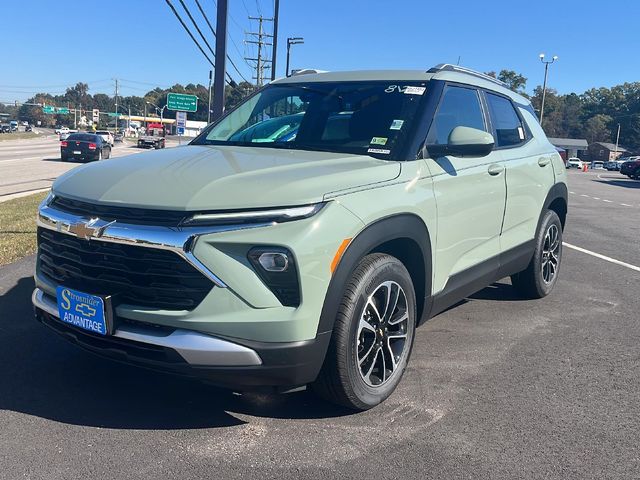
605, 152
574, 147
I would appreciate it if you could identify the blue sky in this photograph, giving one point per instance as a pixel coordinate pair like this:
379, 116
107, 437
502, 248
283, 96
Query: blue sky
49, 45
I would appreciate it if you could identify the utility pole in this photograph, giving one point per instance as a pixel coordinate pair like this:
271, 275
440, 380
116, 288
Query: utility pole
209, 109
116, 105
260, 36
221, 59
615, 155
544, 85
276, 12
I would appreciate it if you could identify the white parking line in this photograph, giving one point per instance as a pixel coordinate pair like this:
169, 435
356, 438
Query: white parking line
608, 201
625, 205
603, 257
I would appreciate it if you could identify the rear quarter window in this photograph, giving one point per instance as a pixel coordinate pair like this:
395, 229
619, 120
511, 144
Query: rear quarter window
507, 126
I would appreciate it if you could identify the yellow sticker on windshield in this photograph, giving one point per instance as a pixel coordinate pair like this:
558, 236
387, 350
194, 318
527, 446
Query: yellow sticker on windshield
379, 141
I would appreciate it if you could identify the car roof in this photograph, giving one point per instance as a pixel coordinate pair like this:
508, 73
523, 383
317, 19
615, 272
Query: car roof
449, 73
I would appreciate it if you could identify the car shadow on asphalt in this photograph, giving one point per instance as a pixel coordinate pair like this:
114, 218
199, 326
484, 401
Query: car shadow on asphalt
621, 183
59, 160
43, 375
498, 291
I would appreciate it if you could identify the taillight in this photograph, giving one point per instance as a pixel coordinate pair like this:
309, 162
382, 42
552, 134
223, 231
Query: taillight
63, 143
92, 146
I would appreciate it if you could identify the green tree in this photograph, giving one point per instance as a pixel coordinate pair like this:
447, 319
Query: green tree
596, 128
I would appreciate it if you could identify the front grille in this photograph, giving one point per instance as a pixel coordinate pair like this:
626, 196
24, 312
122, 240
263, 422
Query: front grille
137, 216
146, 277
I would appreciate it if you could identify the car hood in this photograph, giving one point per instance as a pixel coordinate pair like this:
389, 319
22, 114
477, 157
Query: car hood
221, 177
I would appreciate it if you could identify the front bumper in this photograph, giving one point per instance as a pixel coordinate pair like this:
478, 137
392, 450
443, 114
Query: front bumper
255, 365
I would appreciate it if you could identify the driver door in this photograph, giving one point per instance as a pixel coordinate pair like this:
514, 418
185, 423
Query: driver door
470, 196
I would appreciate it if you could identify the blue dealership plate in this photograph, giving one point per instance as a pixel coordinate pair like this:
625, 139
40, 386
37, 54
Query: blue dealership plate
82, 310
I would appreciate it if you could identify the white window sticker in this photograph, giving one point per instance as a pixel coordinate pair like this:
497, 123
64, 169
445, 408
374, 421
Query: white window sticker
379, 150
378, 141
521, 133
396, 125
414, 90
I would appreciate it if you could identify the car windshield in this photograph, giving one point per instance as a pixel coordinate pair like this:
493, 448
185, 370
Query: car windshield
371, 118
82, 137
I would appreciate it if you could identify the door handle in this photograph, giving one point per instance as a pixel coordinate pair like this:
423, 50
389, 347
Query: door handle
495, 169
544, 161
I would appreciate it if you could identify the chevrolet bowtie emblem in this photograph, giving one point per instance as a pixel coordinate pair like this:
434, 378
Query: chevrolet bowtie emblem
93, 228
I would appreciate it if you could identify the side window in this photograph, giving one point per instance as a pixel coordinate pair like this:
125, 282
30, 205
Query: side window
459, 106
507, 126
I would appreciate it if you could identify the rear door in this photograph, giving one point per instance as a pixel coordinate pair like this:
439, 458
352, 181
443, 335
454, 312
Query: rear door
529, 172
470, 195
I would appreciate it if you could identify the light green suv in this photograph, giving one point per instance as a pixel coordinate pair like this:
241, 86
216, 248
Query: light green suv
302, 238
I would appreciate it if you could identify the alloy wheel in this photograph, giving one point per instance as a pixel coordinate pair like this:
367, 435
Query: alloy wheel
382, 334
550, 254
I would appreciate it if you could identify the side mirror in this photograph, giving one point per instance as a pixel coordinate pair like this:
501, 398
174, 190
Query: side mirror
464, 142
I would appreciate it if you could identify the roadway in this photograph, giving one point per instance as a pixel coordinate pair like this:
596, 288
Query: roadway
31, 165
497, 387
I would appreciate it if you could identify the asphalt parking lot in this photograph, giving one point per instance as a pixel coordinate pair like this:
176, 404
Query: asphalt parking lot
497, 387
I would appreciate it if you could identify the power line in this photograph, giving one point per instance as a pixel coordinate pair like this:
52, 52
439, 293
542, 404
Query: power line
197, 28
189, 32
214, 35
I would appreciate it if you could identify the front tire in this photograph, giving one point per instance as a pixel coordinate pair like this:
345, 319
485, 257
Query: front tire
372, 336
539, 278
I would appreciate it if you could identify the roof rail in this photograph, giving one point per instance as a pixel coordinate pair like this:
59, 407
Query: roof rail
447, 67
306, 71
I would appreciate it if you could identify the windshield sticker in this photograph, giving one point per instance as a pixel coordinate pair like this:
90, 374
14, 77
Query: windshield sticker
379, 150
396, 125
411, 90
414, 90
378, 141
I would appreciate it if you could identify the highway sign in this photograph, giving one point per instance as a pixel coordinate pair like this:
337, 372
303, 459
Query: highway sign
182, 102
113, 114
64, 110
48, 109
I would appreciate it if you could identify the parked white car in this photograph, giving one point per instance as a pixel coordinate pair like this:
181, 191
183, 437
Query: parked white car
574, 162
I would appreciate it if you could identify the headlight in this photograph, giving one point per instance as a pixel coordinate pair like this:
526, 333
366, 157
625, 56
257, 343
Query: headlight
273, 215
48, 199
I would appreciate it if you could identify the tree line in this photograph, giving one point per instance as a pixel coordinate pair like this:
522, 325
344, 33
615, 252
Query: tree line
593, 115
78, 97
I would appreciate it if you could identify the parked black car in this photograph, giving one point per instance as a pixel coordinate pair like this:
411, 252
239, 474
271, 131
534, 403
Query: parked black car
84, 146
631, 169
5, 129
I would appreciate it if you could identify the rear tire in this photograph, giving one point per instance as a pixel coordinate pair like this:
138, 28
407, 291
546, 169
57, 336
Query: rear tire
372, 336
539, 278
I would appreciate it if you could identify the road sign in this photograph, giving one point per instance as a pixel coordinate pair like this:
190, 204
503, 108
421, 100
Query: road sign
113, 114
95, 115
181, 119
63, 110
182, 102
48, 109
180, 130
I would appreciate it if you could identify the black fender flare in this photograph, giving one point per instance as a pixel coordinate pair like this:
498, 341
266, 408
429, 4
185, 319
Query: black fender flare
394, 227
557, 191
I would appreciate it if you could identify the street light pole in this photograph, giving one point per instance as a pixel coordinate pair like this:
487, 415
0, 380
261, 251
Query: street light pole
615, 154
292, 41
544, 85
